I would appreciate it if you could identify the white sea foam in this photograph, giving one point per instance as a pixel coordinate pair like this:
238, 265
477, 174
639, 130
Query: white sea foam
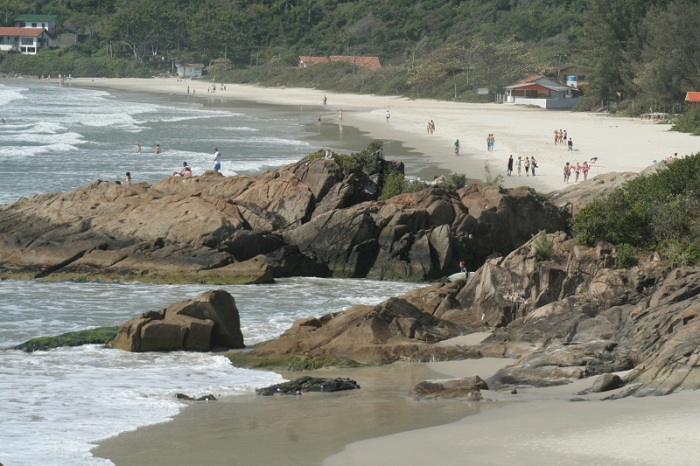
8, 95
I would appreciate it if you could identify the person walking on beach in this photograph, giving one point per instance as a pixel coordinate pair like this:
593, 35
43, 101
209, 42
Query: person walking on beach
527, 166
533, 165
519, 165
325, 100
577, 172
318, 118
217, 159
567, 172
340, 115
388, 115
585, 169
570, 144
510, 164
456, 144
137, 149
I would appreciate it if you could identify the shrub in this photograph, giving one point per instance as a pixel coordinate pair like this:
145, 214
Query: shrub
660, 211
627, 256
544, 249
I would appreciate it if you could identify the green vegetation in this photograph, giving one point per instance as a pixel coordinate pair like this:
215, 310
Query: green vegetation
544, 249
287, 362
83, 337
689, 122
369, 165
658, 212
625, 54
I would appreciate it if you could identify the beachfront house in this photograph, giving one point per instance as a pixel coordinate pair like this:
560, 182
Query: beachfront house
47, 22
190, 70
26, 41
543, 92
693, 97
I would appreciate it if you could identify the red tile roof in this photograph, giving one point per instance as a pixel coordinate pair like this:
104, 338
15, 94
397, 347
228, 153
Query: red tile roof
21, 32
693, 96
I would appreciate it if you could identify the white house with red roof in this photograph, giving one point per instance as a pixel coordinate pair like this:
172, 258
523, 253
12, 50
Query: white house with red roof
26, 41
543, 92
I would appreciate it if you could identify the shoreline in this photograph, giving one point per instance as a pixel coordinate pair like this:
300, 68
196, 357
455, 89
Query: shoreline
619, 144
204, 432
299, 430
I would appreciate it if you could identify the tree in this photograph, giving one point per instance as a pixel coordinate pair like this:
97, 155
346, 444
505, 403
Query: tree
671, 58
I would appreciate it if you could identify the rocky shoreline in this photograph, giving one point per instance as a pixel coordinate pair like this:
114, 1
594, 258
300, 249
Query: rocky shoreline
564, 311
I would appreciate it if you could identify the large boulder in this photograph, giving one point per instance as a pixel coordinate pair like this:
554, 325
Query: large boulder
208, 322
394, 330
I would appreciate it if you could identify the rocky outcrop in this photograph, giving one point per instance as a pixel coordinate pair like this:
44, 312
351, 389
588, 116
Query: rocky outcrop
394, 330
562, 310
205, 323
309, 384
306, 219
469, 388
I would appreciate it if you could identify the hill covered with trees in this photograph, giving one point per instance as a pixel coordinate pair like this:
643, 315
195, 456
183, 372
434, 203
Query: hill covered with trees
636, 54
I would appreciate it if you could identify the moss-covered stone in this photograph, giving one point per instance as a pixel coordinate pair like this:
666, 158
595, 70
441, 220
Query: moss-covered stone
99, 335
250, 360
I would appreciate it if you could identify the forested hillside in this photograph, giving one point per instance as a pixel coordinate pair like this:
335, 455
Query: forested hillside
635, 53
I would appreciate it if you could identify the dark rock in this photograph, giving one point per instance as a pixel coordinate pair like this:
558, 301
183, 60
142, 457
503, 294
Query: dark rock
184, 397
309, 384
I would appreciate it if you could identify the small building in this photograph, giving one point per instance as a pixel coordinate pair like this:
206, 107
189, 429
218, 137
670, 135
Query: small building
692, 97
368, 63
306, 60
26, 41
47, 22
543, 92
190, 70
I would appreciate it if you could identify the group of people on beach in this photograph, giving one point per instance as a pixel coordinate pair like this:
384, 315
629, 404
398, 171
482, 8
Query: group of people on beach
561, 137
529, 163
576, 171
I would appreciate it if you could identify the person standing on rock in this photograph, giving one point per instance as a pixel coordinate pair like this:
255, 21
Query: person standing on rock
217, 159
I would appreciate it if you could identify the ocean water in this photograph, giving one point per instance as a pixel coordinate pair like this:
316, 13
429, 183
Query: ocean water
56, 404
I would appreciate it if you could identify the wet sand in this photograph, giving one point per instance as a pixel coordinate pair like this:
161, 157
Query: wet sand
303, 430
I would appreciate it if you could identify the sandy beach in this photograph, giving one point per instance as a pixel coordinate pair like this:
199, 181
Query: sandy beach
380, 424
620, 144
